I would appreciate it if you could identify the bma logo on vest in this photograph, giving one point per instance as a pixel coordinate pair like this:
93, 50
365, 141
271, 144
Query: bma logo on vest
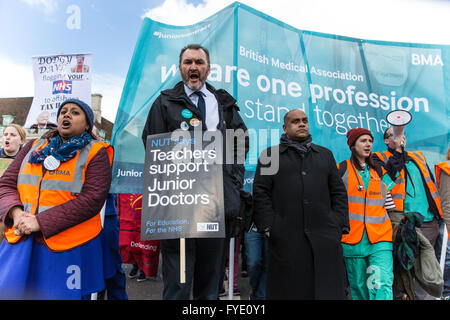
429, 60
60, 173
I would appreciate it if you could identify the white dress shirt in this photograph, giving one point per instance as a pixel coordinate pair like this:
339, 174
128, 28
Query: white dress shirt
211, 106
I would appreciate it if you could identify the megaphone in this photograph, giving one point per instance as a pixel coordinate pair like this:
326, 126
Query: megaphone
399, 119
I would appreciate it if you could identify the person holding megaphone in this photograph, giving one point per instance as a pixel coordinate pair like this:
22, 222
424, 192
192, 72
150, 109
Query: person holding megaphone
415, 189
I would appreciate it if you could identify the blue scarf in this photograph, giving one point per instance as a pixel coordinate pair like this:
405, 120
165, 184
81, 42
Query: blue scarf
63, 151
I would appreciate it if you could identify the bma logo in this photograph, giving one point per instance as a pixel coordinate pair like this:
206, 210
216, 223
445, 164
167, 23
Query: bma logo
62, 86
204, 226
429, 60
60, 172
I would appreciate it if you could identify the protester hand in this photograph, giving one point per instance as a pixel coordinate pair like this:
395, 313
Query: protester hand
28, 224
399, 140
16, 215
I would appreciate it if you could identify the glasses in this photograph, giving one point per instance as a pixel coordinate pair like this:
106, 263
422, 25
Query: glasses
391, 135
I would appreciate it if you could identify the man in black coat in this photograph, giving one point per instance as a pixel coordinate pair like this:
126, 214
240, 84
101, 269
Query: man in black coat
193, 103
303, 208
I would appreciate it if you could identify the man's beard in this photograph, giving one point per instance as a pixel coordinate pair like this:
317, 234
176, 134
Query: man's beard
194, 88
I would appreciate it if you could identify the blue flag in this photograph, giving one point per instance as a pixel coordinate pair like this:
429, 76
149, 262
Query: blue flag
271, 68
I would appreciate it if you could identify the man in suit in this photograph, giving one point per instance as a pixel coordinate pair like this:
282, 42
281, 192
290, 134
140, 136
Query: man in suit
195, 103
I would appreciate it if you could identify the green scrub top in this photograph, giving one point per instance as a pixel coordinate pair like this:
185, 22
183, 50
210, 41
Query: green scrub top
416, 196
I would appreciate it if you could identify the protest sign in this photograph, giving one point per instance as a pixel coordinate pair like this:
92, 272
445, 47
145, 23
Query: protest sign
56, 79
4, 164
183, 188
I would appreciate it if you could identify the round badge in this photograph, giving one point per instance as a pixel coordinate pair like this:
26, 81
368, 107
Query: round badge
186, 113
184, 125
195, 122
51, 163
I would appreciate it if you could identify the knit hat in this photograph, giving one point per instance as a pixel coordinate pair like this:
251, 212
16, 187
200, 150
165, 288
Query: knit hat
87, 111
355, 133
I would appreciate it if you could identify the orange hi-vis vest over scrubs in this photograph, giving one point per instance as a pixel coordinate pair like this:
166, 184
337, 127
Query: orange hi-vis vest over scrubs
366, 208
398, 192
444, 166
40, 192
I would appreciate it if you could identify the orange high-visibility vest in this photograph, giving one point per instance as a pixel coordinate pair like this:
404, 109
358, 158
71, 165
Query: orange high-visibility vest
444, 166
398, 192
40, 192
366, 208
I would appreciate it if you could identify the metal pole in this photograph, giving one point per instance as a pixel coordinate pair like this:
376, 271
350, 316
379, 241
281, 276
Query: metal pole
182, 260
231, 270
444, 249
102, 218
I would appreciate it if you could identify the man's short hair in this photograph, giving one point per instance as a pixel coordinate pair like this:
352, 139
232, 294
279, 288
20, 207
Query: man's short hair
286, 116
385, 134
194, 46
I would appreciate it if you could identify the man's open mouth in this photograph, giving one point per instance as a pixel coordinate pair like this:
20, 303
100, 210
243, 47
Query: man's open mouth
194, 76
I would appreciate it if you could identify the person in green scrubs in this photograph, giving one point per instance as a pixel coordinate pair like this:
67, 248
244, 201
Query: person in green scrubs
369, 262
416, 192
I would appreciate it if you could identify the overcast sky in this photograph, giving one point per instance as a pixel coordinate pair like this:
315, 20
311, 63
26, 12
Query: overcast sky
109, 30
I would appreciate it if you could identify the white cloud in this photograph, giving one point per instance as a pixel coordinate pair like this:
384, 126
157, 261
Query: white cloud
18, 80
421, 21
181, 13
110, 87
48, 6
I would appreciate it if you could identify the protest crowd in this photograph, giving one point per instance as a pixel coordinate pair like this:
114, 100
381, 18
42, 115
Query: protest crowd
368, 228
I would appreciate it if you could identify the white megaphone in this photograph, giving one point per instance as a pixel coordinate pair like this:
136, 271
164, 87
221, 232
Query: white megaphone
399, 119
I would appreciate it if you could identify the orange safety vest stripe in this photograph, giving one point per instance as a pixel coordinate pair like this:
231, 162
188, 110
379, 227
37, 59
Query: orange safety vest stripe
366, 208
399, 190
39, 193
444, 166
432, 188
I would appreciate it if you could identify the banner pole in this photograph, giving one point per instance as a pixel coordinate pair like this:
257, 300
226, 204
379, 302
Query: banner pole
231, 270
182, 260
444, 249
94, 296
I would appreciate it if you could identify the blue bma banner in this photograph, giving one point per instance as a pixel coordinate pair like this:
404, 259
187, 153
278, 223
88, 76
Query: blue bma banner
271, 68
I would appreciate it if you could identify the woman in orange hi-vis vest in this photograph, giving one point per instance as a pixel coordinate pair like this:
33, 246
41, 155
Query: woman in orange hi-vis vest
368, 246
50, 201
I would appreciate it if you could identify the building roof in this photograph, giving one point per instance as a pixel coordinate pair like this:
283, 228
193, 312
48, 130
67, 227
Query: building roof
19, 107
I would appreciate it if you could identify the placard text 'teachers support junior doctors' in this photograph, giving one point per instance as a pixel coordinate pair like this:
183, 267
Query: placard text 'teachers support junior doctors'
183, 192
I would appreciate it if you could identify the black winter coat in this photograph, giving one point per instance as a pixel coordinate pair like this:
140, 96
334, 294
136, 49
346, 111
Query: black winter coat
305, 207
166, 116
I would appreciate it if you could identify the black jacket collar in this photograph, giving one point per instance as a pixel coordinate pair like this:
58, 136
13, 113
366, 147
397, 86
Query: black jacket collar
399, 154
284, 147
